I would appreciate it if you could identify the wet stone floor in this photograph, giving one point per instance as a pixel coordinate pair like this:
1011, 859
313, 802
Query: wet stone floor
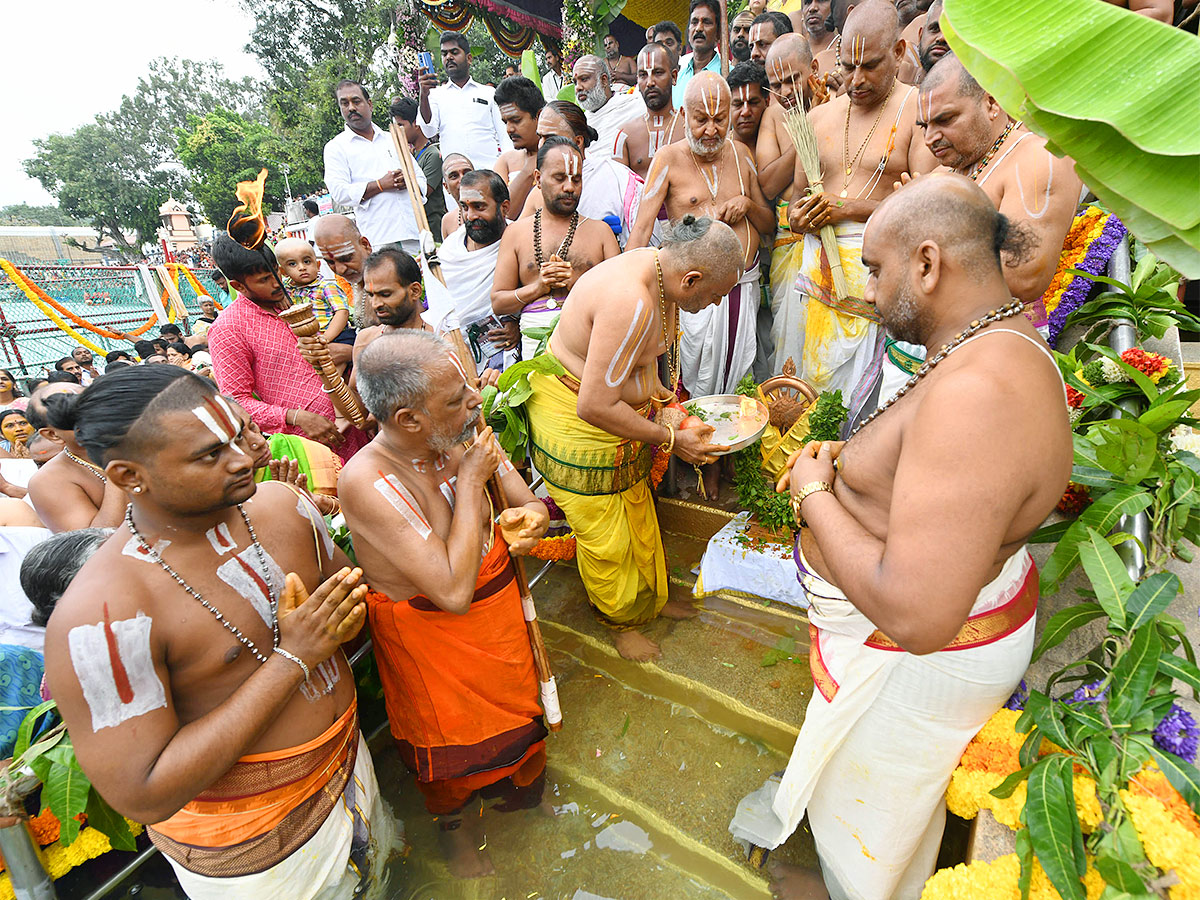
644, 776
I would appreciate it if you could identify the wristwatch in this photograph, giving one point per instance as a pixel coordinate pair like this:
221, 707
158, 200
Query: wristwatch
813, 487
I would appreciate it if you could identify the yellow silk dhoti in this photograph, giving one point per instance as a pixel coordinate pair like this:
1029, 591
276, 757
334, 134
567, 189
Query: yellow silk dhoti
602, 484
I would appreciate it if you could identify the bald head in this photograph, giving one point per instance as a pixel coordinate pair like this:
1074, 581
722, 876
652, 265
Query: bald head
342, 246
290, 247
789, 63
790, 47
706, 85
875, 20
950, 71
706, 102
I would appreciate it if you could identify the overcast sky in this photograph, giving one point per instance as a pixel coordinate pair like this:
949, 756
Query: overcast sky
68, 60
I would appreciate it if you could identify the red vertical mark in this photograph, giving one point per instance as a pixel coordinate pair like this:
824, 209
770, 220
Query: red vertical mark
120, 676
219, 415
256, 578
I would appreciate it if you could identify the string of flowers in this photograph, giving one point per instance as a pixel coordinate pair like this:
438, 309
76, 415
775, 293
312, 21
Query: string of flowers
60, 860
580, 35
1089, 245
411, 25
35, 293
30, 292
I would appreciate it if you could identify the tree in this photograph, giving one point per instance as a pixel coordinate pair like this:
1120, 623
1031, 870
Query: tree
24, 214
103, 174
219, 150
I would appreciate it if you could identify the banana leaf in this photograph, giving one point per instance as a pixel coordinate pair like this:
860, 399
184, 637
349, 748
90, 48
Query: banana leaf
1112, 90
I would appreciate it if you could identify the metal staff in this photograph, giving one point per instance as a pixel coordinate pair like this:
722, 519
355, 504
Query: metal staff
541, 660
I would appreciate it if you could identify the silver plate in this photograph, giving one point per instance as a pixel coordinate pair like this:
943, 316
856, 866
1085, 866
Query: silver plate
729, 433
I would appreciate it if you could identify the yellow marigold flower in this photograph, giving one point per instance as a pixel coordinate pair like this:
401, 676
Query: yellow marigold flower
998, 881
1168, 842
1087, 805
1002, 729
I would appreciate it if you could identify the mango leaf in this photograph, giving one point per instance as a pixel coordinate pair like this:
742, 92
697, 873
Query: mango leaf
109, 822
1133, 674
1045, 714
1005, 789
545, 364
1050, 534
1163, 417
1108, 575
1125, 447
1137, 145
1182, 670
25, 731
1151, 597
1119, 874
1102, 515
1054, 827
1062, 623
1182, 775
1093, 477
66, 790
1024, 849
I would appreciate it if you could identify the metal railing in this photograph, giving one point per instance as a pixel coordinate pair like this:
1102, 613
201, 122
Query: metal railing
1122, 337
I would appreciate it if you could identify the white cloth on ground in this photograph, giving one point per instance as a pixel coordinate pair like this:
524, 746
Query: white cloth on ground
319, 869
608, 119
718, 343
871, 766
352, 164
765, 571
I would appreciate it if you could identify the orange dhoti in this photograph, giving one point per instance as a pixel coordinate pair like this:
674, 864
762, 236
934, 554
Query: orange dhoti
461, 691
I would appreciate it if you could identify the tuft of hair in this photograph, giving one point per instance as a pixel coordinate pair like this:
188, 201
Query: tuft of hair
116, 412
555, 141
394, 372
749, 72
51, 565
704, 244
489, 179
458, 40
781, 23
350, 82
576, 120
950, 68
522, 93
668, 28
403, 265
672, 56
237, 262
403, 107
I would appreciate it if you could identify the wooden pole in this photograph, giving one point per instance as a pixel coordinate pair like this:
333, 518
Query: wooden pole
541, 660
723, 39
303, 322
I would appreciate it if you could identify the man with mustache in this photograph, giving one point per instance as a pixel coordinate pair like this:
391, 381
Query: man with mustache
710, 175
543, 255
469, 256
816, 25
912, 20
606, 111
867, 138
661, 124
462, 112
704, 32
931, 45
450, 641
739, 36
520, 103
363, 173
765, 30
620, 67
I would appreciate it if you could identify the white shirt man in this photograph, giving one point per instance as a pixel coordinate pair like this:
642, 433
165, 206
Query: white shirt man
363, 173
461, 113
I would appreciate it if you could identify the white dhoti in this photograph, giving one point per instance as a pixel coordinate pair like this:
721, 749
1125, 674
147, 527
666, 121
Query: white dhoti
717, 345
840, 342
901, 362
469, 275
883, 733
326, 866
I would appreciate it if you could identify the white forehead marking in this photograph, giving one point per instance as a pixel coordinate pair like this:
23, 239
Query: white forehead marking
744, 93
343, 247
219, 418
469, 195
572, 161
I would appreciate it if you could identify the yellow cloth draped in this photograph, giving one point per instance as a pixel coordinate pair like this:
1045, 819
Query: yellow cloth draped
601, 483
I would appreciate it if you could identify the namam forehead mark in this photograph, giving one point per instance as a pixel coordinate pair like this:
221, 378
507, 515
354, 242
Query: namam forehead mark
338, 249
571, 161
115, 668
470, 195
630, 347
218, 416
648, 60
458, 368
744, 93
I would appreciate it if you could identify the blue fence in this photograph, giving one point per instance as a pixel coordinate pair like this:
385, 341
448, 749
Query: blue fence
108, 297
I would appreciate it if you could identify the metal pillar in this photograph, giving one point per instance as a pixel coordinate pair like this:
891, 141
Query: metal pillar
1123, 337
30, 880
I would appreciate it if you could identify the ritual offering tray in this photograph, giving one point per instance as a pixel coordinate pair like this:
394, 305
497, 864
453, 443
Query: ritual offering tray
737, 421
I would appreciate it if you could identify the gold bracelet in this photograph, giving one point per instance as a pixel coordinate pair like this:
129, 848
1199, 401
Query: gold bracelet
813, 487
669, 444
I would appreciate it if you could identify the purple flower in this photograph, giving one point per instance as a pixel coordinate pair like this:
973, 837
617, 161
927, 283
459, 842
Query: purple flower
1018, 698
1178, 733
1089, 693
1094, 262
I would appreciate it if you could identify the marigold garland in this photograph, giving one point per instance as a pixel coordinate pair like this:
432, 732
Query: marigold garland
997, 880
1089, 244
30, 291
90, 843
561, 547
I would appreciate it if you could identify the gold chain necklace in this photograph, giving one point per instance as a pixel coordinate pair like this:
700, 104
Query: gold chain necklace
671, 340
987, 157
561, 252
1003, 312
849, 164
91, 467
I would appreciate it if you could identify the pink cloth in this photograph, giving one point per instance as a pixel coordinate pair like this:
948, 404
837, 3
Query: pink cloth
256, 362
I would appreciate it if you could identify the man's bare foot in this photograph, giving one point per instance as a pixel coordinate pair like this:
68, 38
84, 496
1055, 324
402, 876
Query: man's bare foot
712, 480
795, 883
679, 609
463, 855
636, 646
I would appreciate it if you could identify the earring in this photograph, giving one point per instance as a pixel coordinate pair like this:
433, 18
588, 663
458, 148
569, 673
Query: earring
138, 489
